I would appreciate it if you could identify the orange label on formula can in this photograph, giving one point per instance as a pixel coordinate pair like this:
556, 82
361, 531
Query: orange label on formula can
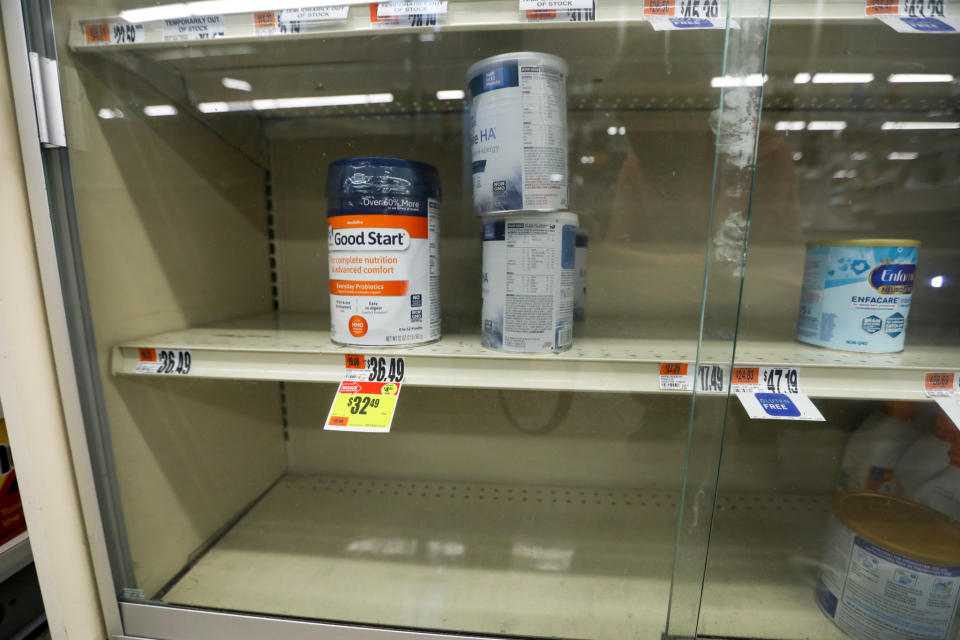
384, 270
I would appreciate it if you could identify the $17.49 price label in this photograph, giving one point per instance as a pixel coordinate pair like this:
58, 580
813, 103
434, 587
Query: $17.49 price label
163, 361
680, 376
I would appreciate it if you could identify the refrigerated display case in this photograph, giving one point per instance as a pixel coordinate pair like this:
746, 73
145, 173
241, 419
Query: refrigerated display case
618, 489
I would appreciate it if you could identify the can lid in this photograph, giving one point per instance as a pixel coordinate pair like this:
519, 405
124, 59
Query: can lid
899, 409
944, 429
382, 176
541, 58
865, 242
899, 525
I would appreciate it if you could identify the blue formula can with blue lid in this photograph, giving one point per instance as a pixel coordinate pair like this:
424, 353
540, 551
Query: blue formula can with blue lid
383, 235
517, 123
856, 294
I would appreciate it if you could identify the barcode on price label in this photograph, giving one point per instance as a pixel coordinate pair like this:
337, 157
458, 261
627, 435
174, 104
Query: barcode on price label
113, 33
163, 361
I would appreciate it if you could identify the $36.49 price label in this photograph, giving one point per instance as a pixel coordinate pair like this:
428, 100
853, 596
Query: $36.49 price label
163, 361
374, 368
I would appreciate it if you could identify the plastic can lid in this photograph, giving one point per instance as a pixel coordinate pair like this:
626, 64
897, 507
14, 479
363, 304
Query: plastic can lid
944, 429
900, 409
901, 526
382, 176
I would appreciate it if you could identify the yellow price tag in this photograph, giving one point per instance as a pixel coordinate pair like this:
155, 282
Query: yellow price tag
363, 406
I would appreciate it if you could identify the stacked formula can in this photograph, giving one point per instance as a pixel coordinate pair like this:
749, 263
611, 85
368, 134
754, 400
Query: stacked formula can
517, 116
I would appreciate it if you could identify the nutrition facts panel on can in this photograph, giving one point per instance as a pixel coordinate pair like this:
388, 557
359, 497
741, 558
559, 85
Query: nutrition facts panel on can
544, 136
528, 282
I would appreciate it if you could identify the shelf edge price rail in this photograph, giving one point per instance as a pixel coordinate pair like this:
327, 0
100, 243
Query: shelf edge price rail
773, 393
163, 361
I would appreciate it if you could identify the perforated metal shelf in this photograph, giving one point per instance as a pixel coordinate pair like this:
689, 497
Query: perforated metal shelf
509, 559
294, 347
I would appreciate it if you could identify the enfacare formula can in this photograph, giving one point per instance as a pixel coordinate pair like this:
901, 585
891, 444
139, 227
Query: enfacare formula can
383, 217
517, 112
529, 275
890, 570
856, 294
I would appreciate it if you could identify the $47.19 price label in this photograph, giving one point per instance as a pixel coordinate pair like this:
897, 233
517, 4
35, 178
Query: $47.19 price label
163, 361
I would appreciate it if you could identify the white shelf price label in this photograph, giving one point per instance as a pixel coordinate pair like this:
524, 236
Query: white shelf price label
667, 15
194, 28
293, 21
769, 379
916, 16
374, 368
113, 33
559, 10
680, 376
944, 387
399, 8
163, 361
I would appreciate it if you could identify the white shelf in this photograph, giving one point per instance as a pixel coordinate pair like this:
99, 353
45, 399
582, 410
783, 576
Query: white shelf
293, 347
15, 554
508, 559
462, 15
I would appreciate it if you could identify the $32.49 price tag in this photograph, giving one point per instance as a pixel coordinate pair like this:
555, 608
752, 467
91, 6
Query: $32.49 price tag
163, 361
363, 406
367, 397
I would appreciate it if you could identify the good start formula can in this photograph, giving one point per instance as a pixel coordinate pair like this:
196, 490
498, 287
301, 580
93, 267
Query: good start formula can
856, 294
891, 569
383, 232
529, 274
517, 110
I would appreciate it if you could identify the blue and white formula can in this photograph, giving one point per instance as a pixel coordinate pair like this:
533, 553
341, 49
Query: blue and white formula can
890, 569
529, 276
517, 119
856, 294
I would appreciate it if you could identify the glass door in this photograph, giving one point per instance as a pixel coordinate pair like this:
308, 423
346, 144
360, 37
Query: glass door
542, 211
849, 527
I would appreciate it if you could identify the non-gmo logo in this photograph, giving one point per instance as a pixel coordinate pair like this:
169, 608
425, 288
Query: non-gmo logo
777, 405
499, 187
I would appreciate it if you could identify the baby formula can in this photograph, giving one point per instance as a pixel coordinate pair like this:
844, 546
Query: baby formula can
383, 224
580, 290
890, 570
856, 294
529, 275
517, 112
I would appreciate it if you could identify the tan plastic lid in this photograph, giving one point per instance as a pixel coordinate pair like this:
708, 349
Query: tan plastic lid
899, 409
901, 526
944, 429
865, 242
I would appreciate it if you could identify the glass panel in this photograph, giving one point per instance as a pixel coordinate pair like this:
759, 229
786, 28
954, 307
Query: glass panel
526, 490
860, 141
